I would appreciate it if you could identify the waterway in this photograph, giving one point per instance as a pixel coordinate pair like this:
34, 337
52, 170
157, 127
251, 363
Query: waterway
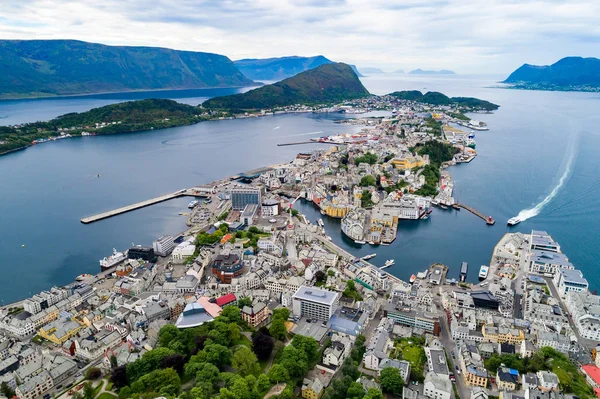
539, 155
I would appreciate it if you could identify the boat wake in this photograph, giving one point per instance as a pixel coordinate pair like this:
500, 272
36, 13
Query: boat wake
276, 127
535, 210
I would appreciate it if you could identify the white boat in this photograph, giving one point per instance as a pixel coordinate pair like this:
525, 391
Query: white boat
389, 262
320, 222
369, 257
483, 271
192, 204
514, 221
82, 277
114, 259
360, 242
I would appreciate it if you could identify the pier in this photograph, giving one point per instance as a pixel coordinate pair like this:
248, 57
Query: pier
133, 207
488, 219
309, 142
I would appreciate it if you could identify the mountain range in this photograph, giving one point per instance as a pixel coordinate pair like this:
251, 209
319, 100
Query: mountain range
63, 67
567, 72
274, 69
327, 83
431, 72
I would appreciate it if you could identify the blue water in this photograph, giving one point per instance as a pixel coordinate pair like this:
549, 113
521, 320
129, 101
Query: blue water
46, 189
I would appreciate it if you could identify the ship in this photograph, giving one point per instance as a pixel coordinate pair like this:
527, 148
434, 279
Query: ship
360, 242
320, 222
464, 268
82, 277
389, 262
483, 272
369, 257
412, 278
114, 259
192, 204
514, 221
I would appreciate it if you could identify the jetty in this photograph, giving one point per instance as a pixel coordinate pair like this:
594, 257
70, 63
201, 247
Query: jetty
138, 205
488, 219
309, 142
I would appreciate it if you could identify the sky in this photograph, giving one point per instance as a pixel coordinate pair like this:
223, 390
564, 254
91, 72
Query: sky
467, 36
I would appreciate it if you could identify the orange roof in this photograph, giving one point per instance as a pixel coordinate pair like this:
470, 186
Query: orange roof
211, 308
226, 238
593, 371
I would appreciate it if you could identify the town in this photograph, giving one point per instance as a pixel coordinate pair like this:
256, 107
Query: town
254, 300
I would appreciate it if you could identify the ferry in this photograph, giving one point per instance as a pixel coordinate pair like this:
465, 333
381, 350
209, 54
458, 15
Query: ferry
514, 221
114, 259
369, 257
483, 272
192, 204
412, 278
82, 277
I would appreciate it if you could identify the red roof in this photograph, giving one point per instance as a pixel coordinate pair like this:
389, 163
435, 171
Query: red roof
593, 371
597, 392
226, 299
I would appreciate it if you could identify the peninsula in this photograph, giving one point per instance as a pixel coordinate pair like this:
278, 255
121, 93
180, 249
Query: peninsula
437, 98
567, 74
45, 68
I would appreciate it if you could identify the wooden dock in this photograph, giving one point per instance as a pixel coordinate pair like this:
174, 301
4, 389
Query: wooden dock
309, 142
488, 219
133, 207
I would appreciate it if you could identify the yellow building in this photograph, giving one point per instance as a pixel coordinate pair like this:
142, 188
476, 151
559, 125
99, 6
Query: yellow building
337, 211
409, 162
60, 331
312, 388
502, 335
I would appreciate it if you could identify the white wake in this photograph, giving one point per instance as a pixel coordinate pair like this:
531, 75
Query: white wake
535, 210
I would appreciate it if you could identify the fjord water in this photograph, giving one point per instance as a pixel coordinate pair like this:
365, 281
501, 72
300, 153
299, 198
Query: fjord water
536, 139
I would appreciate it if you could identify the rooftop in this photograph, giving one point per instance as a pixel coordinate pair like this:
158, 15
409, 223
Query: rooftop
316, 295
193, 315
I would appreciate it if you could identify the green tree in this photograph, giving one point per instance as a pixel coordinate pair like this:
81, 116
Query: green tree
278, 329
166, 334
294, 360
367, 180
93, 373
6, 391
245, 301
355, 391
366, 200
307, 345
373, 393
217, 354
113, 361
350, 368
207, 372
88, 391
164, 382
234, 332
245, 361
263, 384
391, 380
149, 362
278, 373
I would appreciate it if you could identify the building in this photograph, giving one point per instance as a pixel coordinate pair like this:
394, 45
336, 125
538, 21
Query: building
36, 386
554, 340
314, 303
227, 299
248, 214
437, 386
540, 240
193, 315
542, 261
592, 374
312, 388
485, 300
585, 311
570, 280
140, 252
60, 331
183, 251
242, 196
473, 369
547, 381
412, 318
502, 335
227, 266
377, 349
164, 245
269, 207
255, 315
507, 379
436, 361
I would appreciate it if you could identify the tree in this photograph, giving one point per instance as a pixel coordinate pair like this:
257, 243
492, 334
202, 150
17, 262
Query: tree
93, 373
350, 368
88, 391
365, 199
232, 312
207, 372
262, 345
245, 301
234, 332
166, 334
284, 313
263, 384
6, 391
373, 393
217, 354
119, 376
294, 360
278, 329
320, 276
367, 180
176, 362
245, 361
355, 391
164, 382
308, 345
391, 381
278, 373
113, 361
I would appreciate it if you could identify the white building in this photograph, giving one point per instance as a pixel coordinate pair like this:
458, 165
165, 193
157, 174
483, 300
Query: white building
164, 245
269, 208
585, 311
315, 303
183, 251
570, 280
437, 386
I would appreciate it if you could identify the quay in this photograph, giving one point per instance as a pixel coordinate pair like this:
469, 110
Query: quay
308, 142
139, 205
488, 219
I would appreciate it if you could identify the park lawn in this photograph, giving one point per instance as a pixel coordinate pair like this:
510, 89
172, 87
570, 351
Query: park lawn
106, 395
243, 340
412, 354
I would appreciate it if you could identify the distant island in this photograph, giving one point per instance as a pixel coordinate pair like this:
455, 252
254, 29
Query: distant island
437, 98
327, 83
568, 74
431, 72
371, 71
275, 69
399, 71
42, 68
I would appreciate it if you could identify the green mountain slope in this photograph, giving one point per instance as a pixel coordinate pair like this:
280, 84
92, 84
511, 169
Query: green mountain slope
437, 98
569, 71
282, 67
64, 67
327, 83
